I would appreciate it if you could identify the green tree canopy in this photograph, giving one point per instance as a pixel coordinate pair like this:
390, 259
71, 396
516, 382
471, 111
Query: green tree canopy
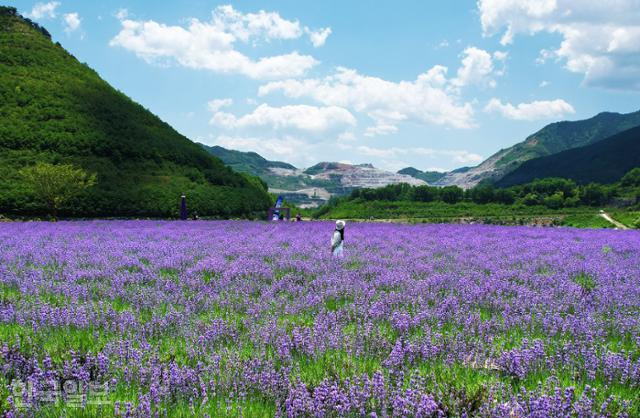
451, 194
55, 184
632, 178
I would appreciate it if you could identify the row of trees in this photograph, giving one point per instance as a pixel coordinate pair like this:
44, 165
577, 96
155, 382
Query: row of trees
555, 193
68, 190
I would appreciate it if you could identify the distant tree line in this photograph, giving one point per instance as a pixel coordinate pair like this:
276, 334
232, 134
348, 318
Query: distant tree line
554, 193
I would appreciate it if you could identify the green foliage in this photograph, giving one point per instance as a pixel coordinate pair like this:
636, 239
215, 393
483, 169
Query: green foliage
245, 162
594, 195
630, 219
320, 167
482, 194
554, 201
56, 184
531, 199
451, 194
428, 176
586, 220
585, 281
425, 194
632, 178
439, 211
552, 193
57, 110
391, 192
504, 196
552, 196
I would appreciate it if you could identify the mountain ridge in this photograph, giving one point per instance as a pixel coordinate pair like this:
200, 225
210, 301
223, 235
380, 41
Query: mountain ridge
605, 161
312, 186
551, 139
247, 162
428, 176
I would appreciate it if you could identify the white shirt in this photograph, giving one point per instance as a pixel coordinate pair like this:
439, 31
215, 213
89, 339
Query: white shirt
336, 239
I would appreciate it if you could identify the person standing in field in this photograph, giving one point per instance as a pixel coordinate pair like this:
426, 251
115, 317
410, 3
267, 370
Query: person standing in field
337, 239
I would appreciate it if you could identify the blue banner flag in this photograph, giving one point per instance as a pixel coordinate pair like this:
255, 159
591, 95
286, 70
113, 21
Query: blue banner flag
276, 213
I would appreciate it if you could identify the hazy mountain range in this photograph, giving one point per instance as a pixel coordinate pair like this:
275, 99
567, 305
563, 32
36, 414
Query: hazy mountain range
599, 149
551, 139
310, 187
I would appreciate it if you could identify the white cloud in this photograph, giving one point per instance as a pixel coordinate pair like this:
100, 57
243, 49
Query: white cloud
431, 99
381, 128
287, 148
346, 136
319, 37
477, 66
544, 83
44, 10
299, 117
71, 22
121, 14
217, 104
436, 76
600, 39
423, 100
210, 45
464, 157
457, 156
530, 111
500, 55
267, 25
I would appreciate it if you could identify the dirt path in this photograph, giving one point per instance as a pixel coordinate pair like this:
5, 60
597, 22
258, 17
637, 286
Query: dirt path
613, 221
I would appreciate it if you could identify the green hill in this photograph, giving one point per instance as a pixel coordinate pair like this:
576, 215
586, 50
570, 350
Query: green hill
551, 139
245, 162
605, 161
56, 109
428, 176
561, 136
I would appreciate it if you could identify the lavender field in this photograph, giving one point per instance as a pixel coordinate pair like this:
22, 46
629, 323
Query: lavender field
254, 319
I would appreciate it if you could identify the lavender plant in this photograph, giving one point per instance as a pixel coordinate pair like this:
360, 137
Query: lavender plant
255, 319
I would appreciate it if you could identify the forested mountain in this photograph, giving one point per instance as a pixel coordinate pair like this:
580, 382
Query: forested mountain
605, 161
551, 139
55, 109
245, 162
428, 176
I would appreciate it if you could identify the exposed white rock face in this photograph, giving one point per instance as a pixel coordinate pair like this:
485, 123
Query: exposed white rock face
474, 175
342, 178
364, 176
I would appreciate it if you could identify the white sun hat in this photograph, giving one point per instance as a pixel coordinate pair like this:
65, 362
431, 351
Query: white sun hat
340, 225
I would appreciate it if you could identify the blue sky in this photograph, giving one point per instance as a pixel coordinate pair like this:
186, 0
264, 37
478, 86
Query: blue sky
434, 85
